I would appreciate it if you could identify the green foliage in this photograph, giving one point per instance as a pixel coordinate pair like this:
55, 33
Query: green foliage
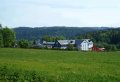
1, 38
108, 38
0, 26
36, 33
53, 38
10, 75
23, 44
31, 65
70, 47
118, 45
9, 37
100, 45
110, 47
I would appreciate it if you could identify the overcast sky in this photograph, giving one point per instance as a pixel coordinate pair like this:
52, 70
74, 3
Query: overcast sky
34, 13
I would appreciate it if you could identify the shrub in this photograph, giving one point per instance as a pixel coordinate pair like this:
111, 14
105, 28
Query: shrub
23, 44
70, 47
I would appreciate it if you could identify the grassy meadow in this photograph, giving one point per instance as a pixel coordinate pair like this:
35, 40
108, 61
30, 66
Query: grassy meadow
34, 65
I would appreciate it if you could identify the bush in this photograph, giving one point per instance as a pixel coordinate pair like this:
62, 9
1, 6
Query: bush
70, 47
23, 44
109, 47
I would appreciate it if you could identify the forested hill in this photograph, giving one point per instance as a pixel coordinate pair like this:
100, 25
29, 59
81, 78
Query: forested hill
39, 32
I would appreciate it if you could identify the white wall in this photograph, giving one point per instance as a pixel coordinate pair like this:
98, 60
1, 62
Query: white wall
90, 44
86, 45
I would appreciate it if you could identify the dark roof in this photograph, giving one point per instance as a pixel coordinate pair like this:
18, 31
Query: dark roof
78, 41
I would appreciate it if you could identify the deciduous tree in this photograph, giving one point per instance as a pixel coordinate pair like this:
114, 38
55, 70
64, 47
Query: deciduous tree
9, 37
1, 36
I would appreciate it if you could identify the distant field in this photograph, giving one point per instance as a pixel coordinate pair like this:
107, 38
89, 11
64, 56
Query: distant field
30, 65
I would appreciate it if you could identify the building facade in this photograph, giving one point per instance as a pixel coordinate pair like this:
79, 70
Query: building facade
84, 45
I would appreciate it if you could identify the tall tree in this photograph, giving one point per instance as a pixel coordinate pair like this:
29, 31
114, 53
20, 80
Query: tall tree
1, 36
0, 26
9, 37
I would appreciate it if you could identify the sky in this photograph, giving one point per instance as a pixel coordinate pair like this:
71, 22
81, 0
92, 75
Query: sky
80, 13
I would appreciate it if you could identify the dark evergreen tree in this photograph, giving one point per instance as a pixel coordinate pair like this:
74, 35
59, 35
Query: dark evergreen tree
1, 36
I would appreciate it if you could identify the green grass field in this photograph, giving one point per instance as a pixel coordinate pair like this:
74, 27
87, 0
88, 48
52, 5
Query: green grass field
34, 65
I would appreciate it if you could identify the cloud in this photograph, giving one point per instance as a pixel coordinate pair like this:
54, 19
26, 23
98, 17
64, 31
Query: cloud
60, 13
77, 3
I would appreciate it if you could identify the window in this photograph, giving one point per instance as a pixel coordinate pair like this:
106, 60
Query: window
71, 41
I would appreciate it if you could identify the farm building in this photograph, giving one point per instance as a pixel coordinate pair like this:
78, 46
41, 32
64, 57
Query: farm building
49, 44
84, 45
62, 44
97, 49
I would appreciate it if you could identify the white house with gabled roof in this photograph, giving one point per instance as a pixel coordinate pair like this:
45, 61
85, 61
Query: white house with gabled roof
84, 44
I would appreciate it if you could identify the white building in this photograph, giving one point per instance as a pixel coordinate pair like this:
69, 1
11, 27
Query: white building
84, 44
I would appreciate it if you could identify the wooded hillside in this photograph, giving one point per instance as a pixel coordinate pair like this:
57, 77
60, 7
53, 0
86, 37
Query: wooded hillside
39, 32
